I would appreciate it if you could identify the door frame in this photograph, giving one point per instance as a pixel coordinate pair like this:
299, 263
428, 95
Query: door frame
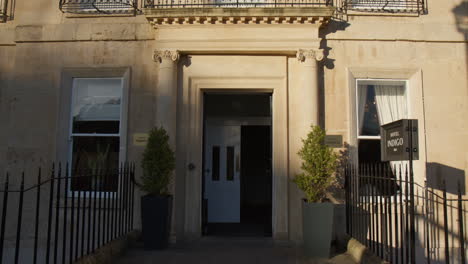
230, 121
189, 151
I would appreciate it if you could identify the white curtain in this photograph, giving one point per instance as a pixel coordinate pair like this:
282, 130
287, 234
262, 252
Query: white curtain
362, 95
391, 106
391, 103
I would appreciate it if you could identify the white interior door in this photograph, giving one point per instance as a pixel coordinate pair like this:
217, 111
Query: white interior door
222, 173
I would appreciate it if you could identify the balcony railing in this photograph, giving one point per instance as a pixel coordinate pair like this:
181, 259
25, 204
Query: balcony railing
98, 6
234, 3
386, 6
3, 10
342, 6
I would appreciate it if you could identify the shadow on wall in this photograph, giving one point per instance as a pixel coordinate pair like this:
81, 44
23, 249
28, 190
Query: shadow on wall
332, 27
437, 173
461, 17
327, 62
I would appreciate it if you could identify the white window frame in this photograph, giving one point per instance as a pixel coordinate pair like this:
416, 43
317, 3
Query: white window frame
95, 194
64, 143
379, 137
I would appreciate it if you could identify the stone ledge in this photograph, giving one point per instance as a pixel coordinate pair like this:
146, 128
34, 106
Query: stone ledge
356, 253
109, 252
83, 32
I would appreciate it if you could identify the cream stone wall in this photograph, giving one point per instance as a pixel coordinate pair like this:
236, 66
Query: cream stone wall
431, 45
430, 51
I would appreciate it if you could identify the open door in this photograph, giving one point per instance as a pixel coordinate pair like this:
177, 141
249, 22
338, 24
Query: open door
222, 173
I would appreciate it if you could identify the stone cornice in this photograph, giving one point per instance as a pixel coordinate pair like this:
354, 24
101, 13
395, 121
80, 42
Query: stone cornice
185, 16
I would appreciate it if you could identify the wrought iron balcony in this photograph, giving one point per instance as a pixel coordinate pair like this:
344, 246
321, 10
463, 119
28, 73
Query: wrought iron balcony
131, 6
98, 6
386, 6
3, 10
235, 3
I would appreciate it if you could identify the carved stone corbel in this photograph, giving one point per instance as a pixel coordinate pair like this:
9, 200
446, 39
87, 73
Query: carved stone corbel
160, 55
309, 54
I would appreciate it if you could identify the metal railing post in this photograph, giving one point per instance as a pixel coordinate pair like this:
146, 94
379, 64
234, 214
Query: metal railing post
36, 221
460, 226
57, 213
20, 218
49, 222
4, 214
65, 214
446, 238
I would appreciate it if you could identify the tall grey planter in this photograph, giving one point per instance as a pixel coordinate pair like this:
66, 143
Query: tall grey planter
317, 225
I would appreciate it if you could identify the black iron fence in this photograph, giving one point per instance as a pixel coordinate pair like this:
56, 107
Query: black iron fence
53, 222
402, 221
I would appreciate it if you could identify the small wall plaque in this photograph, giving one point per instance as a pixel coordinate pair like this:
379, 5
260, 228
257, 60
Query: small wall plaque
334, 141
140, 139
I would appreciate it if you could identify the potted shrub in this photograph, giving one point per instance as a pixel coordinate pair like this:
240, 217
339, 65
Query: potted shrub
319, 164
158, 164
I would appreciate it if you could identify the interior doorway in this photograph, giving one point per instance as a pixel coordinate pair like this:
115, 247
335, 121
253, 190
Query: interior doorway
237, 165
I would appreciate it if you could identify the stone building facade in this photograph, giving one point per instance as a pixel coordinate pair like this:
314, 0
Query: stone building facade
320, 62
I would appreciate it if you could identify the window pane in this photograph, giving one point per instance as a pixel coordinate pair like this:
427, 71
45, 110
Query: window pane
230, 163
102, 127
95, 163
96, 101
369, 151
368, 119
215, 164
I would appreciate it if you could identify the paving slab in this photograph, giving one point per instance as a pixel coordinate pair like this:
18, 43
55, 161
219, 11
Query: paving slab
221, 251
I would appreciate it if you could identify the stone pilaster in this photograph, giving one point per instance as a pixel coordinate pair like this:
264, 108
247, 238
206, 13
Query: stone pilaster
166, 104
166, 108
309, 87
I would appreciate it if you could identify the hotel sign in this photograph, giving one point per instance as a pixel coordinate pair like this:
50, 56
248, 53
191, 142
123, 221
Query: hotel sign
400, 140
334, 141
140, 139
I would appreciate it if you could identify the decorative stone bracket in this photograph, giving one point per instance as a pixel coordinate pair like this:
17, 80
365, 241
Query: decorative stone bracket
309, 54
237, 20
160, 55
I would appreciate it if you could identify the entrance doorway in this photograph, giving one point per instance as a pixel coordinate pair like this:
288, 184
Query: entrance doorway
237, 172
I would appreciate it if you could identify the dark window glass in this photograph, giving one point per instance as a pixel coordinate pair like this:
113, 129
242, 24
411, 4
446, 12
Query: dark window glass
230, 163
369, 155
100, 127
215, 164
95, 163
370, 120
369, 150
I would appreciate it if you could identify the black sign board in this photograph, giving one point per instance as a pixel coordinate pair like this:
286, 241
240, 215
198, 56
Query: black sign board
400, 140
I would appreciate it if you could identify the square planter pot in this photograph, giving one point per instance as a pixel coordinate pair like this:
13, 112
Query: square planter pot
317, 226
156, 214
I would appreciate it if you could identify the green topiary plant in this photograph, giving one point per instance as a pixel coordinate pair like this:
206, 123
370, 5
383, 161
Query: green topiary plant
319, 164
158, 163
